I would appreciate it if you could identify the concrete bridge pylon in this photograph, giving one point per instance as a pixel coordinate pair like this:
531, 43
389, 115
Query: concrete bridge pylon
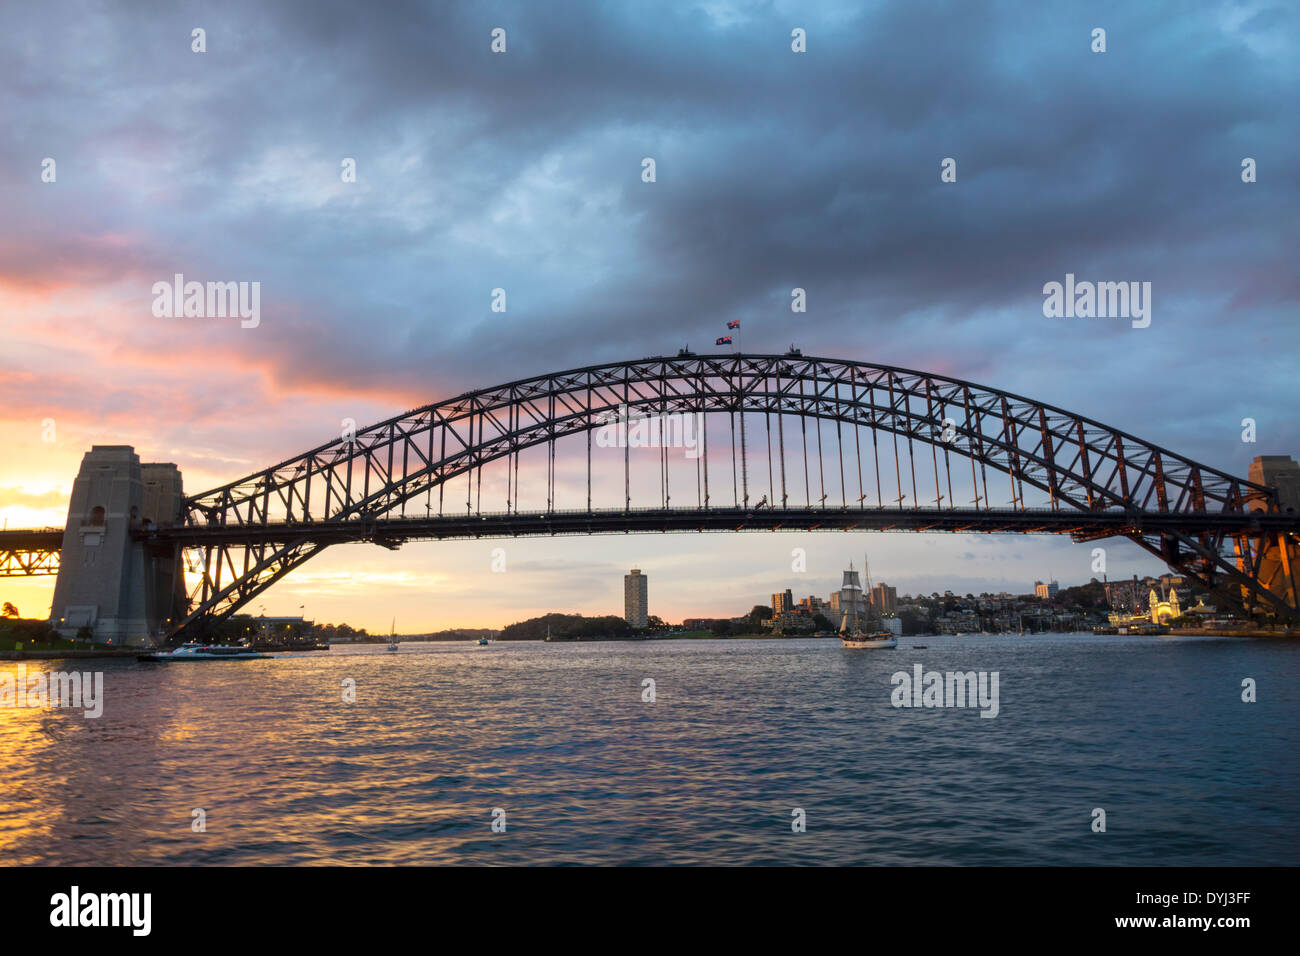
1279, 560
110, 580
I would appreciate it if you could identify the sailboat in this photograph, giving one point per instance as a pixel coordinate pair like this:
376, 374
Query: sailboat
857, 634
392, 636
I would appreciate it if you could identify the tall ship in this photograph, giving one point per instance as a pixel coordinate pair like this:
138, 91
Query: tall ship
860, 626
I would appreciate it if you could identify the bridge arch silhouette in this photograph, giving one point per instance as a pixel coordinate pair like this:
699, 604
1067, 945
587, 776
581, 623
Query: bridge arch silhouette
781, 442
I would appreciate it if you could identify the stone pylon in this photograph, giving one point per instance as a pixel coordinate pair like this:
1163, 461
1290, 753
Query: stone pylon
109, 579
1279, 570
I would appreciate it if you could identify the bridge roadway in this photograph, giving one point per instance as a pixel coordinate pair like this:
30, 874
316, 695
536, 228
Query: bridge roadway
392, 532
1080, 524
31, 539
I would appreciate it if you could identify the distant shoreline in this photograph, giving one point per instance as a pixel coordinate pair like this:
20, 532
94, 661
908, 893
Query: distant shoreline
128, 653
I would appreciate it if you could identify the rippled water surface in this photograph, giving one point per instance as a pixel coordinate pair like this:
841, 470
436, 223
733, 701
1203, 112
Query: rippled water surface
1153, 730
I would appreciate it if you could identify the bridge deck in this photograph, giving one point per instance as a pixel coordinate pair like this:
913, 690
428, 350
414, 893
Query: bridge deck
618, 521
31, 539
394, 531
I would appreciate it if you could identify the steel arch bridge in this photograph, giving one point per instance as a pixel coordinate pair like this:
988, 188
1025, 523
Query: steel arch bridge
747, 442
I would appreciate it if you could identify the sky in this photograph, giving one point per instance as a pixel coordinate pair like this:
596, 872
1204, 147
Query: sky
522, 170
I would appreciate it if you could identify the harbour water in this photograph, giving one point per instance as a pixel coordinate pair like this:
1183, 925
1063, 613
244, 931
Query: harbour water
739, 736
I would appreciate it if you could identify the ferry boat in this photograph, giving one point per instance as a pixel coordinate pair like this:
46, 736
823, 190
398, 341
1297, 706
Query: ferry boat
203, 652
852, 634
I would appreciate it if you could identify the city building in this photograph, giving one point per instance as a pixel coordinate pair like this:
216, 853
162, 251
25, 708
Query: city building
812, 605
279, 631
1046, 591
884, 598
782, 602
1162, 611
636, 606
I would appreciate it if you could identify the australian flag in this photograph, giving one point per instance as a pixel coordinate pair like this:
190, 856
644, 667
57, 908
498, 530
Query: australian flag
723, 340
733, 324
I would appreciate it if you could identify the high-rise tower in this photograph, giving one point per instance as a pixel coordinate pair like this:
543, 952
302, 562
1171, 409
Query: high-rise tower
635, 598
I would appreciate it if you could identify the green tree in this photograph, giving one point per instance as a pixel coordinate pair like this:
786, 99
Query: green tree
913, 623
1090, 595
9, 610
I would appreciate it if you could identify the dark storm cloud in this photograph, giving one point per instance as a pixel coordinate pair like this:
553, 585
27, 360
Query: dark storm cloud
775, 170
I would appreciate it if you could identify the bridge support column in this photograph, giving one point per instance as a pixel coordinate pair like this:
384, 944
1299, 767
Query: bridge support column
109, 580
1279, 555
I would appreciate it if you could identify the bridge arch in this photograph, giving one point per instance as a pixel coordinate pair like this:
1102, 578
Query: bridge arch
243, 536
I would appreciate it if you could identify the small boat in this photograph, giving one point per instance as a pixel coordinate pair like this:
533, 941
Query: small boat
203, 652
392, 636
482, 642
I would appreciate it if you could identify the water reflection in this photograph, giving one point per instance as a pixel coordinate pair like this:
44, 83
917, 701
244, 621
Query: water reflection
741, 732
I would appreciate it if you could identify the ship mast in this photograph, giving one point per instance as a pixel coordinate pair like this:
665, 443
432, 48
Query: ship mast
874, 622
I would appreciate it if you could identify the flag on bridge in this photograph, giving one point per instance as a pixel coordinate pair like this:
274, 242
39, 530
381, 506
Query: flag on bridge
723, 340
733, 324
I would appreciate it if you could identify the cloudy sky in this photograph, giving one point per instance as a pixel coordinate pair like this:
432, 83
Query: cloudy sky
522, 170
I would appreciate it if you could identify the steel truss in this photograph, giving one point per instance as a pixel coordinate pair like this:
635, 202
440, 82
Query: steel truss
242, 537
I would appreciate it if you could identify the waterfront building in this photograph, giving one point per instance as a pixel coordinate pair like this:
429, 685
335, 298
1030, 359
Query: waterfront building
1162, 611
280, 631
636, 604
884, 598
813, 605
1046, 591
782, 602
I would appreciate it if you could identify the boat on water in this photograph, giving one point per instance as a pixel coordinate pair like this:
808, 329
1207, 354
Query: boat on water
855, 632
203, 652
883, 640
482, 642
392, 637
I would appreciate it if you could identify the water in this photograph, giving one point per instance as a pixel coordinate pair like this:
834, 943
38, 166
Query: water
1152, 730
